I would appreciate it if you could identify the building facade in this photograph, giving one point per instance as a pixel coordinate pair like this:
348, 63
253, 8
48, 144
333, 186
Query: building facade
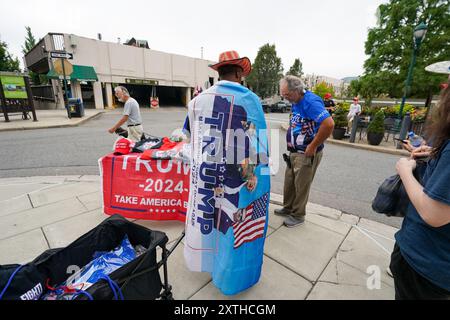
99, 66
339, 85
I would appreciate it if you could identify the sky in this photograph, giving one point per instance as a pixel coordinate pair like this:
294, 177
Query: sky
327, 36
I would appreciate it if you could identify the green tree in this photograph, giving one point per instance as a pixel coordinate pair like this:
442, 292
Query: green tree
30, 42
7, 62
354, 88
296, 69
389, 46
322, 88
340, 117
267, 72
377, 124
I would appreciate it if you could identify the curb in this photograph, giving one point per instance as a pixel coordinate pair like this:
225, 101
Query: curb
75, 124
361, 146
369, 148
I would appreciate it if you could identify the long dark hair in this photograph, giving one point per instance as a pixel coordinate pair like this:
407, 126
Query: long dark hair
439, 129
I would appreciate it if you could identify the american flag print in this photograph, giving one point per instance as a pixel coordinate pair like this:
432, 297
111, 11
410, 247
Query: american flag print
252, 224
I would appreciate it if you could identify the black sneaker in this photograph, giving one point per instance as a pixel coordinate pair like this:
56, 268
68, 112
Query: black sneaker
292, 222
389, 272
282, 212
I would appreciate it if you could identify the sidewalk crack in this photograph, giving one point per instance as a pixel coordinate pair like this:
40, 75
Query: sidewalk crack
31, 202
45, 237
333, 257
189, 298
288, 268
82, 203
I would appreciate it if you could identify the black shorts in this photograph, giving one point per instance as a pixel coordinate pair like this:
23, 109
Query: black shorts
409, 285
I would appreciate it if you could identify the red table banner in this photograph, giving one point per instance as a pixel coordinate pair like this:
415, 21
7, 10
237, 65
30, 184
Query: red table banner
144, 189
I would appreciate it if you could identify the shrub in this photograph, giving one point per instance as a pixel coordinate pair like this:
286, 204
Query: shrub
391, 111
406, 108
370, 111
344, 105
365, 111
377, 124
418, 115
340, 117
322, 88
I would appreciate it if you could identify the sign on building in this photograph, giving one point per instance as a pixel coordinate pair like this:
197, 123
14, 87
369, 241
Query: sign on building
142, 81
61, 55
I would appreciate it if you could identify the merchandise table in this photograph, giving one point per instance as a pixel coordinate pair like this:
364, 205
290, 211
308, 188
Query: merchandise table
144, 189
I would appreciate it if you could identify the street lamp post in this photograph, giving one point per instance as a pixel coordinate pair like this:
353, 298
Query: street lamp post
419, 35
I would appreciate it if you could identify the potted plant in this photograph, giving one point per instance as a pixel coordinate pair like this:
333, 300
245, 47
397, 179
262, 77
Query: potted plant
375, 130
340, 123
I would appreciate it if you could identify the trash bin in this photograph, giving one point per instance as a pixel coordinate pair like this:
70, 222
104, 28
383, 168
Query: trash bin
76, 107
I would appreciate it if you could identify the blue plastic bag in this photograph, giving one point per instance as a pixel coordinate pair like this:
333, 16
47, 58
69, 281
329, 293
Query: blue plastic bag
103, 264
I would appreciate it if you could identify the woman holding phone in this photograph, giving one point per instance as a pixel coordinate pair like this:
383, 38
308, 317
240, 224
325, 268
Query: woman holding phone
420, 262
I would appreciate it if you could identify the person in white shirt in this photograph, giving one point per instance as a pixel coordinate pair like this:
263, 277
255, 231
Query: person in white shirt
131, 115
355, 109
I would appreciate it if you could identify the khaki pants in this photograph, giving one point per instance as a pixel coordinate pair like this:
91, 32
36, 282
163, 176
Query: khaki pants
350, 125
135, 133
297, 182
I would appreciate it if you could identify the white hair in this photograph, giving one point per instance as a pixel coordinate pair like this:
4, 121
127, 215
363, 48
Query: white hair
294, 84
123, 89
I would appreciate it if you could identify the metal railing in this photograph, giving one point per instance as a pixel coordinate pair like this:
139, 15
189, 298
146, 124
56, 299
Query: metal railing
392, 102
43, 92
57, 40
418, 127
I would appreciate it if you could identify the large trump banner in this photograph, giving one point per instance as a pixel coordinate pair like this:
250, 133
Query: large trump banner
144, 189
227, 218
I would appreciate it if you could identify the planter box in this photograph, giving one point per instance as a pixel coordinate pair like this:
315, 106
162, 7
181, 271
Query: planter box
374, 139
339, 133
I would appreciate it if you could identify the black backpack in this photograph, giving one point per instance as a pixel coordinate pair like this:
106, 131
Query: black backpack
138, 279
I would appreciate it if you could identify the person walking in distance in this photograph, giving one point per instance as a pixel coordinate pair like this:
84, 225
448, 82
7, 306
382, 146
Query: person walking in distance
131, 115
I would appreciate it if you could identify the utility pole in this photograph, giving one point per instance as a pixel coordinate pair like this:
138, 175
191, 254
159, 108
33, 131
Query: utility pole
419, 35
66, 93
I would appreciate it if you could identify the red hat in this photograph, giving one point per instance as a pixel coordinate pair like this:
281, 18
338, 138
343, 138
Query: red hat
232, 57
327, 96
123, 146
356, 98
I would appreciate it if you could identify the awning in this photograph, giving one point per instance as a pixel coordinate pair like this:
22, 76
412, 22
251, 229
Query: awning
439, 67
80, 73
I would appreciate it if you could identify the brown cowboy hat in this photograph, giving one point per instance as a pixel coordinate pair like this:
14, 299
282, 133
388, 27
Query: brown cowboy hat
232, 57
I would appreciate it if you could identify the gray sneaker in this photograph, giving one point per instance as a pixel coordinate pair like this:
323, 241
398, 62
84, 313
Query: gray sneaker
282, 212
292, 222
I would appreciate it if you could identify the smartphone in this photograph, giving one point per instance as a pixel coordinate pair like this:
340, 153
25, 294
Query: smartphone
402, 141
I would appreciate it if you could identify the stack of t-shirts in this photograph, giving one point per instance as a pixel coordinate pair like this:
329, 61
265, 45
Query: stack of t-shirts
149, 143
168, 150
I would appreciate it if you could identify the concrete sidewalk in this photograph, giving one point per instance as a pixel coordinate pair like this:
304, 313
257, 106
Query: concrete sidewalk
48, 119
332, 256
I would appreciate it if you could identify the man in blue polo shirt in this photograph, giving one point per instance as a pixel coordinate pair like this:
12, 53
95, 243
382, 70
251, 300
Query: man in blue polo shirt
310, 125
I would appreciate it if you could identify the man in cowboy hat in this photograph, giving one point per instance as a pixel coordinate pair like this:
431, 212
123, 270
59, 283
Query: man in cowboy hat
230, 180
